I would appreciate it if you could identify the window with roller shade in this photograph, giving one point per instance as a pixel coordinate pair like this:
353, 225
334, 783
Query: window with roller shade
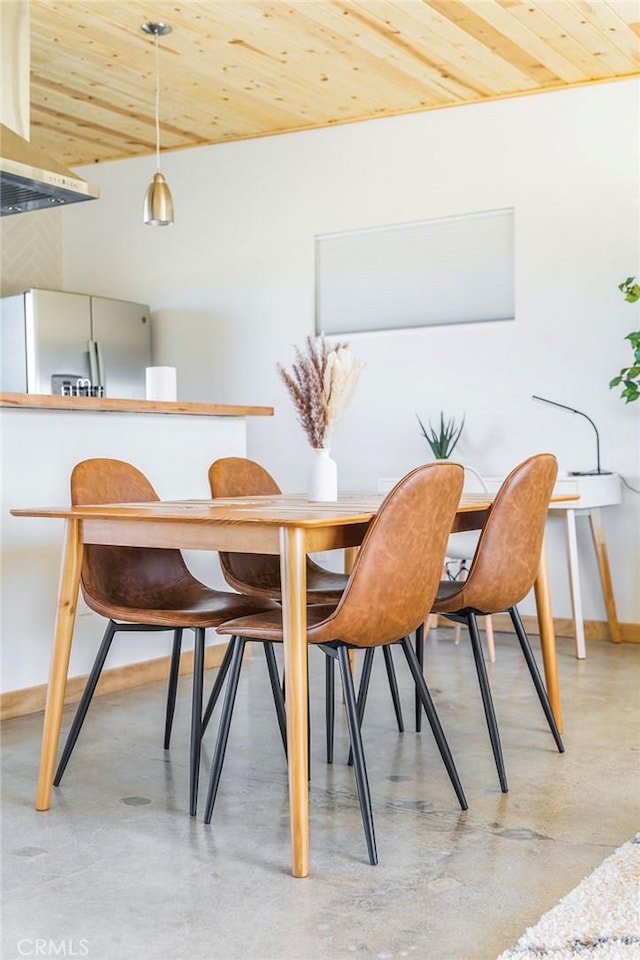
426, 273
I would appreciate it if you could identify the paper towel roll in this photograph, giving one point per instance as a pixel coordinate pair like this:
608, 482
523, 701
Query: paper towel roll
161, 383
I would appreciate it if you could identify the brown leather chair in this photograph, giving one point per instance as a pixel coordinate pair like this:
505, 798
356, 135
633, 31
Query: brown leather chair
140, 588
390, 591
258, 575
504, 568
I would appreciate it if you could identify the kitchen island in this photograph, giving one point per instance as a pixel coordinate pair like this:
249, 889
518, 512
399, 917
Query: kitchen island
43, 437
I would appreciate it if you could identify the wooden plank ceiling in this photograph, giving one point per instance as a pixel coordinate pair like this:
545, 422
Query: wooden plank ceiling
233, 69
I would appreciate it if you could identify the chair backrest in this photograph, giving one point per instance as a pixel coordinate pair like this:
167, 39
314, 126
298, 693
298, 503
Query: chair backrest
239, 477
508, 553
122, 576
397, 571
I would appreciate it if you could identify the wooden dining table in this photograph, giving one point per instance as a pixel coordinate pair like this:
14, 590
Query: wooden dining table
286, 525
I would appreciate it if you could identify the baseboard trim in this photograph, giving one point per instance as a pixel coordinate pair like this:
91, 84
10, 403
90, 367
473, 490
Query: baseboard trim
593, 629
18, 703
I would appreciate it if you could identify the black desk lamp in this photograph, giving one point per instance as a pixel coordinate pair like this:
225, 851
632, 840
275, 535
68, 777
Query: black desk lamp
580, 473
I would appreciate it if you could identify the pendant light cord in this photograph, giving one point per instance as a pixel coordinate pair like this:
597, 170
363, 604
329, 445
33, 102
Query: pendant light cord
157, 103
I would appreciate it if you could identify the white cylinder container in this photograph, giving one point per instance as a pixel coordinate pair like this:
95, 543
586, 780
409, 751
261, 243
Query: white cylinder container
161, 383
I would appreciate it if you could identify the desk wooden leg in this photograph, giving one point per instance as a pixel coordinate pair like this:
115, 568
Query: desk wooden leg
574, 583
65, 619
294, 618
547, 637
597, 531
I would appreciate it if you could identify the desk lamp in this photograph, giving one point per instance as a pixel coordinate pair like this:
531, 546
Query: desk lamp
580, 473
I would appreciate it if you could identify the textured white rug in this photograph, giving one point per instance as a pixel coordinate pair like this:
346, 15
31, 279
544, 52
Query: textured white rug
599, 920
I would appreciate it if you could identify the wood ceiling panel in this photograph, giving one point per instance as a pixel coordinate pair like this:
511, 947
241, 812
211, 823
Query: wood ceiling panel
551, 31
438, 23
389, 41
571, 18
509, 27
246, 68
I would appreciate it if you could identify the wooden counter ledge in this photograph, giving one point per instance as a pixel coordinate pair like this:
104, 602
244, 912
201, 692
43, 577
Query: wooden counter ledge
48, 402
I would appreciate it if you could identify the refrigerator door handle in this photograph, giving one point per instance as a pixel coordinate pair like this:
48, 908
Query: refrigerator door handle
100, 359
94, 371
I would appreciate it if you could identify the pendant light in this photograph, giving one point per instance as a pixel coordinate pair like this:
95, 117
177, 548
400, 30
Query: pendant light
158, 202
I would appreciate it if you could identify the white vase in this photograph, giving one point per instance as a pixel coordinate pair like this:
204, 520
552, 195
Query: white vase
323, 476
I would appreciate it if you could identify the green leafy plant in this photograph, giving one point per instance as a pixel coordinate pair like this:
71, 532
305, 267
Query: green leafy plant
442, 440
629, 377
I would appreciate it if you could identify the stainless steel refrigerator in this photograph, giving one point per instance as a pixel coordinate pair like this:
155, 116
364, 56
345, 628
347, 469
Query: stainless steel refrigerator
52, 339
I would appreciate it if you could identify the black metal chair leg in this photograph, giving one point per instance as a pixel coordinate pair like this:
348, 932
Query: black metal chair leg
434, 721
173, 685
276, 689
363, 691
359, 764
420, 657
535, 676
237, 645
217, 686
196, 719
487, 699
365, 679
85, 700
393, 685
330, 704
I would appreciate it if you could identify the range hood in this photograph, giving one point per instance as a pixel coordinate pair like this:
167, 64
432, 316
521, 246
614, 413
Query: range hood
29, 180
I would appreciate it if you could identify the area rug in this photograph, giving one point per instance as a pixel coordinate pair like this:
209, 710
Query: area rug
598, 920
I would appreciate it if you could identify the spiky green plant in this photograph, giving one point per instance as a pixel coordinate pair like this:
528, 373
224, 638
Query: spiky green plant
444, 439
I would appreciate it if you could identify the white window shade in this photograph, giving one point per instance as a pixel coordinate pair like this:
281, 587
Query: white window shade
432, 272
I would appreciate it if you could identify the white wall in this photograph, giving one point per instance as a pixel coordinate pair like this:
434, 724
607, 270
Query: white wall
231, 284
39, 451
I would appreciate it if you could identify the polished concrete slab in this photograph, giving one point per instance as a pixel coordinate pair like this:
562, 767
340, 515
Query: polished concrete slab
117, 869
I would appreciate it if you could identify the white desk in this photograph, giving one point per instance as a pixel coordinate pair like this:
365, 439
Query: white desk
595, 491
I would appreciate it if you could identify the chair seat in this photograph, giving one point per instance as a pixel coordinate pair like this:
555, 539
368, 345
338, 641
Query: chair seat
323, 586
452, 598
263, 580
268, 625
190, 605
449, 597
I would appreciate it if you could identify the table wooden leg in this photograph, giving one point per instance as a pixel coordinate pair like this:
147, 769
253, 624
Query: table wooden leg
574, 583
597, 531
65, 619
547, 637
350, 555
294, 619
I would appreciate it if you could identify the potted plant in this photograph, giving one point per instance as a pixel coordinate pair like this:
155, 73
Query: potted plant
442, 440
630, 376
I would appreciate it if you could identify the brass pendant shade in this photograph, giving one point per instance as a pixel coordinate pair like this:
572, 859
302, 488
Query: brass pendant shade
158, 202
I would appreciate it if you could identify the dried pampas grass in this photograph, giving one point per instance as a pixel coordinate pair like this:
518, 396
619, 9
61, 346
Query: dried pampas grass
320, 382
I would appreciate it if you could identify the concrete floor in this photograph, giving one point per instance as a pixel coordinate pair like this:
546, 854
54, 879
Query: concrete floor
117, 870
